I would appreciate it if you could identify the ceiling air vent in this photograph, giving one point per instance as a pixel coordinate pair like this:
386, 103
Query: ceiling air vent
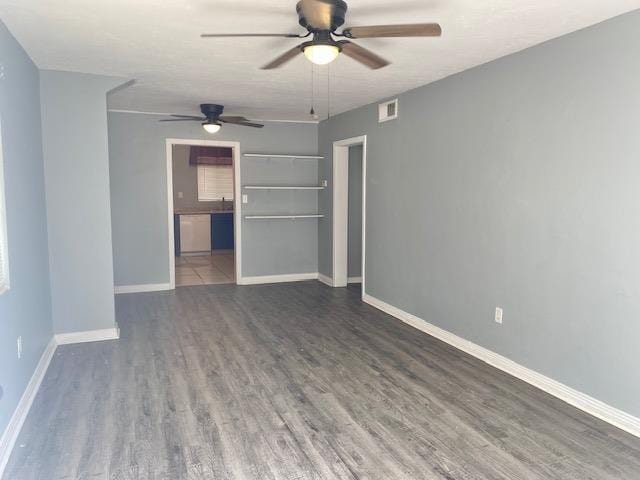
388, 111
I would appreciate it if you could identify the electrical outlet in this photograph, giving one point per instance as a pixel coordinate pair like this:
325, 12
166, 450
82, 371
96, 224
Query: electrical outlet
325, 183
19, 347
245, 198
499, 315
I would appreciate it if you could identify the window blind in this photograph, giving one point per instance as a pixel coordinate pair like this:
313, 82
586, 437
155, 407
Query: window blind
215, 182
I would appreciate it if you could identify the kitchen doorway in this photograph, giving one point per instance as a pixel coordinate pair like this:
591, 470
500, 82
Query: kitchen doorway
205, 234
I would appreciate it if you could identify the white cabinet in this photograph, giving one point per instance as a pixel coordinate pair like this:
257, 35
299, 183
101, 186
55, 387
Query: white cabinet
195, 233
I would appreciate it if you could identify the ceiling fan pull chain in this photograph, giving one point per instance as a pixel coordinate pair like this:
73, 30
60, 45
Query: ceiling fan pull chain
328, 92
313, 101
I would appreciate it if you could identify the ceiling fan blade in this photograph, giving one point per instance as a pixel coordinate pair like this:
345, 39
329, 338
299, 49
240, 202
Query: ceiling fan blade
192, 117
232, 119
233, 35
318, 13
240, 121
362, 55
284, 58
246, 124
182, 120
379, 31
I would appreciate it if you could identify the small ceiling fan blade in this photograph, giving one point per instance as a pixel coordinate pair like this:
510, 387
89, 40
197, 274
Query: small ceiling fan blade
240, 121
192, 117
232, 119
318, 13
284, 58
234, 35
380, 31
182, 120
362, 55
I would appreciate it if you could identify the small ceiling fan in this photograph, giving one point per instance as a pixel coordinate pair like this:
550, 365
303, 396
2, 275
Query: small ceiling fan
322, 18
213, 118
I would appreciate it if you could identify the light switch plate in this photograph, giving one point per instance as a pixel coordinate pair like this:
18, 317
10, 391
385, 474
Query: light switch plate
245, 198
499, 315
180, 195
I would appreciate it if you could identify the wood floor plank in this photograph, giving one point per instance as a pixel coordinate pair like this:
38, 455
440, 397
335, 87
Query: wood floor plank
296, 382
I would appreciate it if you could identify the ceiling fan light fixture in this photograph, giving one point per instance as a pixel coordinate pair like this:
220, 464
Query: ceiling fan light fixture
211, 127
321, 54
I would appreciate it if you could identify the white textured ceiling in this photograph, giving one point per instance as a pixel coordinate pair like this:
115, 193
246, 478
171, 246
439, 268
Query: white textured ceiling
157, 43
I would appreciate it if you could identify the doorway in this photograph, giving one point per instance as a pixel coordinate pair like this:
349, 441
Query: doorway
204, 227
354, 216
349, 211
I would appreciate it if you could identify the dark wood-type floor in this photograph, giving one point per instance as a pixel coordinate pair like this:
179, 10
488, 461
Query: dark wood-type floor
296, 382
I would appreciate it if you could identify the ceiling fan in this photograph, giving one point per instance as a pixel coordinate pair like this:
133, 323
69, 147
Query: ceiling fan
213, 118
322, 18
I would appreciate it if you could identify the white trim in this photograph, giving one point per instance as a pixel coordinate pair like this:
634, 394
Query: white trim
4, 236
237, 199
326, 280
88, 336
584, 402
138, 112
295, 277
153, 287
170, 216
354, 280
237, 211
274, 155
281, 217
10, 435
341, 209
289, 187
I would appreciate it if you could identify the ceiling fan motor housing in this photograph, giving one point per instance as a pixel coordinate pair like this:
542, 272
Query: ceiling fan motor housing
211, 110
337, 20
322, 38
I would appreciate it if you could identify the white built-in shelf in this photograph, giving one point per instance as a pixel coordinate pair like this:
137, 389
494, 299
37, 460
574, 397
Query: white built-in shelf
283, 187
269, 155
280, 217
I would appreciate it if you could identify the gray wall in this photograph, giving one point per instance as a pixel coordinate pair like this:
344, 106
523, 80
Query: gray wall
139, 196
25, 310
515, 184
275, 247
76, 158
354, 242
185, 180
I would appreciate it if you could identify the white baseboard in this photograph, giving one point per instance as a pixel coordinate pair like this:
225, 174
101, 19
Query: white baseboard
326, 280
329, 281
584, 402
10, 435
88, 336
295, 277
153, 287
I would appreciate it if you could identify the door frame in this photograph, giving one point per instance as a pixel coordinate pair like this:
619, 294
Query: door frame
237, 203
340, 242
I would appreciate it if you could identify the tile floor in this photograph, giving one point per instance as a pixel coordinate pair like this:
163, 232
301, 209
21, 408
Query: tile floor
214, 269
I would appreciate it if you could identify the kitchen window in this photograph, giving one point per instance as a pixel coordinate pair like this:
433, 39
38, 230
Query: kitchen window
215, 182
4, 254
